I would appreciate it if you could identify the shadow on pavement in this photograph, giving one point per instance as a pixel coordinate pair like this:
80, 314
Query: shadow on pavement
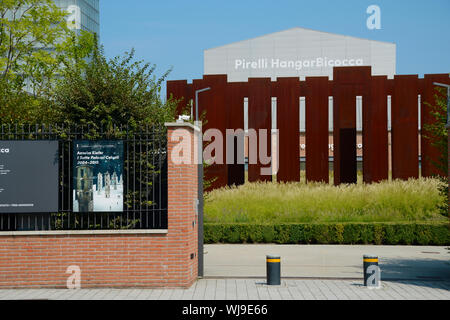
431, 273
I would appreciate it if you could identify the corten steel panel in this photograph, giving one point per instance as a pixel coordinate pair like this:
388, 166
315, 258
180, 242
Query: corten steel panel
375, 134
190, 95
213, 102
288, 102
347, 164
390, 87
430, 153
317, 169
179, 90
421, 86
348, 83
303, 89
236, 92
405, 132
259, 118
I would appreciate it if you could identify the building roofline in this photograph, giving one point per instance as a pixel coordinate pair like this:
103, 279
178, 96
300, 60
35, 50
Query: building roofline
299, 28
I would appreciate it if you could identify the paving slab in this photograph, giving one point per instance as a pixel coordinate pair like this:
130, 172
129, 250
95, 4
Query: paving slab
221, 289
318, 261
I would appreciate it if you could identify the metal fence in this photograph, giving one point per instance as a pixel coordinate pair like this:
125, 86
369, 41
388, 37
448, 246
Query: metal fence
144, 179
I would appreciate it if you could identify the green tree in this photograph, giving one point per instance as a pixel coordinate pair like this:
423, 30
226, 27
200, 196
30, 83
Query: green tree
35, 46
29, 29
106, 92
436, 132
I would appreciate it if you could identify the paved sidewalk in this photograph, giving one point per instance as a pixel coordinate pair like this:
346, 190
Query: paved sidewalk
326, 261
244, 289
237, 272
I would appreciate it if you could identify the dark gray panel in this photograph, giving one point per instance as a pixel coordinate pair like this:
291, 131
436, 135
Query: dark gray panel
28, 176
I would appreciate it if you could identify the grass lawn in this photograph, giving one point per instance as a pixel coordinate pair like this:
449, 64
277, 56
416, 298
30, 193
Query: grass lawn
391, 201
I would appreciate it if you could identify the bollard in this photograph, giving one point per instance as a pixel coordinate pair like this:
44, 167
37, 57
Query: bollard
372, 275
273, 270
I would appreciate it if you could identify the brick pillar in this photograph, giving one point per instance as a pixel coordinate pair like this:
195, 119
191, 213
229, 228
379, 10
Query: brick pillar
182, 200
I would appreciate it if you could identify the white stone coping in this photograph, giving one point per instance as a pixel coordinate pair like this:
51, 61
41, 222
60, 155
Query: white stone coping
182, 125
84, 232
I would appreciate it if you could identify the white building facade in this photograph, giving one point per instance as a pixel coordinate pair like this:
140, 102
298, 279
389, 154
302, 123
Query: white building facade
298, 52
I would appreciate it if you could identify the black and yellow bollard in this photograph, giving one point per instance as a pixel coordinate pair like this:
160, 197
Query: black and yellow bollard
372, 275
273, 270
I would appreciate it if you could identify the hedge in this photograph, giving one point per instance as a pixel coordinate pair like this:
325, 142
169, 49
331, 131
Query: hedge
421, 233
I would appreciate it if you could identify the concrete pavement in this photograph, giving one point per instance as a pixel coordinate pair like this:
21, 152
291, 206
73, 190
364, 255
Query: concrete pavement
251, 289
237, 272
323, 261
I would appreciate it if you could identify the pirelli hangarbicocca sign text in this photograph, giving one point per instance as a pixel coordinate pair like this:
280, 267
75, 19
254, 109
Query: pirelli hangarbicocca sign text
276, 63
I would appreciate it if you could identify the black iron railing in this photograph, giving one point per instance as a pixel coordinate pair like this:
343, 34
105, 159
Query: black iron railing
144, 179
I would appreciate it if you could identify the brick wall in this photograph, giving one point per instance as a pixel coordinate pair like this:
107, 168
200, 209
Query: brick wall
165, 258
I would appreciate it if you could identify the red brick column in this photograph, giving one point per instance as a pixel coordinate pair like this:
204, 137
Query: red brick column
183, 196
119, 259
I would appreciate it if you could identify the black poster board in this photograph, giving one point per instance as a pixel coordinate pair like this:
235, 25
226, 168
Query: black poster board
29, 176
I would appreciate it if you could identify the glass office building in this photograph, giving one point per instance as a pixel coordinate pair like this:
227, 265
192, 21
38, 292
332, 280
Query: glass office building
83, 14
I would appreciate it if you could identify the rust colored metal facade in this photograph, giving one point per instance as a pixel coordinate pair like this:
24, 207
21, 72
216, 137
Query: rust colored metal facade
430, 153
259, 118
182, 91
224, 107
317, 98
236, 93
405, 127
348, 84
288, 97
213, 106
375, 132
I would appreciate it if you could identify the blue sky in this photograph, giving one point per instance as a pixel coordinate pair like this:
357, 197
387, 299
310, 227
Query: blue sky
174, 33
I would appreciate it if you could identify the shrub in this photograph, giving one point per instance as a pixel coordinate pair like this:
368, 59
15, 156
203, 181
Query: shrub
426, 233
262, 203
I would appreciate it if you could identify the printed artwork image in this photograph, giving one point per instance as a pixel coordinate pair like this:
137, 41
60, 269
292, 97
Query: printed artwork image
98, 176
